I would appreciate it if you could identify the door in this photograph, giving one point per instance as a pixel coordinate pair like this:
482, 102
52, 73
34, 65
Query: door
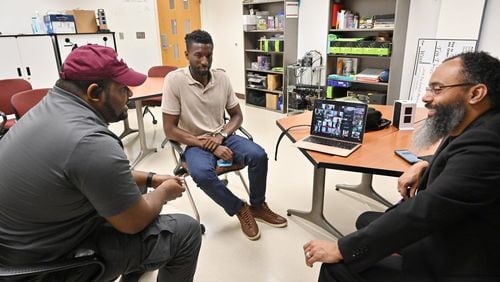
176, 18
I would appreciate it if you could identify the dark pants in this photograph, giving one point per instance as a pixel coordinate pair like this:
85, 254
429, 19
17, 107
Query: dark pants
170, 244
202, 164
388, 269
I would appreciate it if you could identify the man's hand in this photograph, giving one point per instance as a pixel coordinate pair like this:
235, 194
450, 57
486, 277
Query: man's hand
160, 178
172, 188
409, 181
223, 152
322, 251
211, 142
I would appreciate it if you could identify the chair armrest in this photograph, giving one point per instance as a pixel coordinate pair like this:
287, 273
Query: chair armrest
3, 116
246, 133
49, 267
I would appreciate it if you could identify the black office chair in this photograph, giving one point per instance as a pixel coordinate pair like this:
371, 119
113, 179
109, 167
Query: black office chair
3, 121
94, 269
181, 169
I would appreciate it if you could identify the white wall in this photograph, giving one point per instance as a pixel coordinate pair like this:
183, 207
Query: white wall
223, 20
126, 16
489, 40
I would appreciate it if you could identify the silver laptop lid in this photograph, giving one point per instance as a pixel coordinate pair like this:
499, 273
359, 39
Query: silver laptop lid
339, 120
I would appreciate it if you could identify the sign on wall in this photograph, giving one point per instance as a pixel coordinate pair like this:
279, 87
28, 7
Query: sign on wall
430, 53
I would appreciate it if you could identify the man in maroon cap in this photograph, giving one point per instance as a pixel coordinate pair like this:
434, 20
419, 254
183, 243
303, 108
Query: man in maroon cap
67, 185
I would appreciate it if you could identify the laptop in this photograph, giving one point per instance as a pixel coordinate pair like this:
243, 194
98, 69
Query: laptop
337, 127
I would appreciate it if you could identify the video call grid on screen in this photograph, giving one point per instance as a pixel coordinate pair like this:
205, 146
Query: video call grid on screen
343, 121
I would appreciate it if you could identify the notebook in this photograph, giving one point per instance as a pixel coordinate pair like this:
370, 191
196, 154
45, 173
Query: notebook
337, 127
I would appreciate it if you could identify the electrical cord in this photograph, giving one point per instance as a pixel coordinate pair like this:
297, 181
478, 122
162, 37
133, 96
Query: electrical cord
281, 137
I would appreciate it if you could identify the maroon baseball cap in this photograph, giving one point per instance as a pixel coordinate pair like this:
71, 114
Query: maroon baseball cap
95, 62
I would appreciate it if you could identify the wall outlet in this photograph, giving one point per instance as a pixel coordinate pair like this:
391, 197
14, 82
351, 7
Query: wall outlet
140, 35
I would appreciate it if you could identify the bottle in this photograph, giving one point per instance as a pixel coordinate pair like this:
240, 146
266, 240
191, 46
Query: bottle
35, 23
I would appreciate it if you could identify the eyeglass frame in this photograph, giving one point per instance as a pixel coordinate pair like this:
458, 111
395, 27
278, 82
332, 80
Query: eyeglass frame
440, 88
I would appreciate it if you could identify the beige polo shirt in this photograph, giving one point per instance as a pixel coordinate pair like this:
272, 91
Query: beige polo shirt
200, 109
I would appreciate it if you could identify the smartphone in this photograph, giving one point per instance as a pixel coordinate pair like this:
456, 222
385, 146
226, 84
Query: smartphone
407, 156
223, 163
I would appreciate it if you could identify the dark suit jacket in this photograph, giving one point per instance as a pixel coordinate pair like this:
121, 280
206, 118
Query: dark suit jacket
450, 231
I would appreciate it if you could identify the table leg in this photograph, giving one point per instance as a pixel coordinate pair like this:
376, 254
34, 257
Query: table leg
142, 135
126, 129
318, 198
364, 188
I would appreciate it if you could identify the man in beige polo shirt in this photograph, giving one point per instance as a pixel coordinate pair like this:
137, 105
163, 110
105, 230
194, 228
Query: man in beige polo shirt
194, 101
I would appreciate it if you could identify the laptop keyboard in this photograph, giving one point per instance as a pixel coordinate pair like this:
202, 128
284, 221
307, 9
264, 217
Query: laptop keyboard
330, 142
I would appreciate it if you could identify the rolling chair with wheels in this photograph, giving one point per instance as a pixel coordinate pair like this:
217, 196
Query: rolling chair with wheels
9, 87
23, 101
3, 121
156, 71
181, 169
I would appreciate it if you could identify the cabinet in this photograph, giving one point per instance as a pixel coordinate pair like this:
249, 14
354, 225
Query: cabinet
270, 44
380, 47
29, 57
66, 42
38, 58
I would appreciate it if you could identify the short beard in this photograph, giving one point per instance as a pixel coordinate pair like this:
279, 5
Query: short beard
447, 118
112, 115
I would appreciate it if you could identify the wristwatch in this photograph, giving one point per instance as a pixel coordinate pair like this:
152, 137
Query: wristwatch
223, 134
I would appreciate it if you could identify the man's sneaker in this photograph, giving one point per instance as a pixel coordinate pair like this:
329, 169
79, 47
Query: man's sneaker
266, 215
248, 224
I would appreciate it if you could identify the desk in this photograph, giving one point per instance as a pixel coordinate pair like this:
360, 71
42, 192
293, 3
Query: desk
153, 86
375, 156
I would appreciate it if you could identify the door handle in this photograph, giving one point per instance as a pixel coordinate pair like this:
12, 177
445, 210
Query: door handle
19, 73
164, 43
28, 71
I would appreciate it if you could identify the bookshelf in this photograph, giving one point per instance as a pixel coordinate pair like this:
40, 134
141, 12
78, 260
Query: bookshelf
379, 45
266, 60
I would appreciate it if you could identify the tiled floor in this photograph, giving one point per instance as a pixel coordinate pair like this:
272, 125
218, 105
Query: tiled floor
226, 254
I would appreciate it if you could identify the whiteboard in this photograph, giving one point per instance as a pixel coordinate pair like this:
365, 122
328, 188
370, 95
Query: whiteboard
430, 53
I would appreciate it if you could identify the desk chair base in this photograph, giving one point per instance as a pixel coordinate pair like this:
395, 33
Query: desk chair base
148, 110
126, 129
364, 188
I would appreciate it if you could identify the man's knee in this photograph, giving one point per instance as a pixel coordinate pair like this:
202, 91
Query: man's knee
366, 218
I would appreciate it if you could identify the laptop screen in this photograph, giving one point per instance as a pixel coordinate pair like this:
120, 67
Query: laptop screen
339, 119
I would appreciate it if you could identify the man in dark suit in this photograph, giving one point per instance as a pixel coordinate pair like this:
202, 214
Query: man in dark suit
449, 230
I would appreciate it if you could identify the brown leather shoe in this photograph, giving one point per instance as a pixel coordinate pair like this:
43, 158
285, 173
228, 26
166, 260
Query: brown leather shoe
248, 224
266, 215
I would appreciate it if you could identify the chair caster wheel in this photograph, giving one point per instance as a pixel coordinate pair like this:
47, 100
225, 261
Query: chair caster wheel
337, 189
288, 214
202, 227
155, 121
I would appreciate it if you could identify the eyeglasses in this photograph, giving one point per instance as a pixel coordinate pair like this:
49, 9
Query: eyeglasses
436, 89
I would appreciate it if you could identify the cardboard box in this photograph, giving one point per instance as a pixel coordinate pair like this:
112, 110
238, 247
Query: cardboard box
85, 20
59, 23
271, 101
273, 81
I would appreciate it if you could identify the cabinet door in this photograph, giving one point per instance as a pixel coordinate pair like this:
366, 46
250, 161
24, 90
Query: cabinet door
66, 42
10, 66
38, 60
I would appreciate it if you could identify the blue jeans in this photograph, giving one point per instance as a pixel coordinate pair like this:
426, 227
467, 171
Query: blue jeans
202, 164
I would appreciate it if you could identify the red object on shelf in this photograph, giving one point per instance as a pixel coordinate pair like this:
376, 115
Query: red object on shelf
336, 7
